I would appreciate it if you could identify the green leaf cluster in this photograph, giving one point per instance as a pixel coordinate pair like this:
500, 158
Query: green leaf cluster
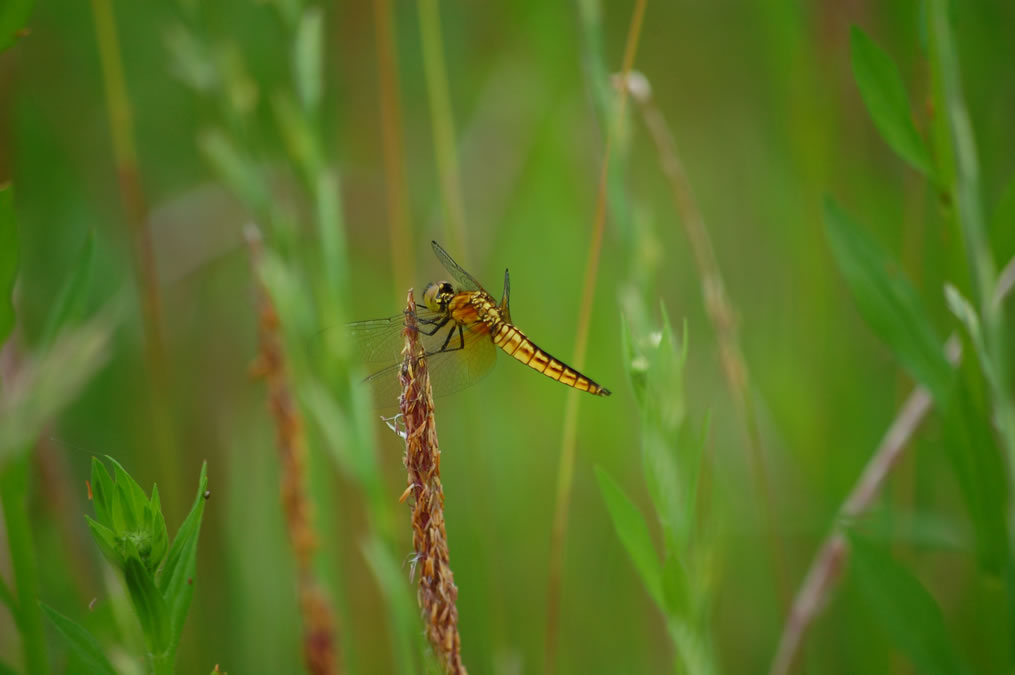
679, 580
130, 530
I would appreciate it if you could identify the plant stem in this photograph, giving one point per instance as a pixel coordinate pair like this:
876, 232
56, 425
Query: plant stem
443, 124
565, 470
390, 105
143, 256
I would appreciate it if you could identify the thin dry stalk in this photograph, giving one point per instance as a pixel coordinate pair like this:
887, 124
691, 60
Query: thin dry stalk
319, 639
442, 122
718, 306
437, 594
135, 209
828, 563
569, 433
390, 105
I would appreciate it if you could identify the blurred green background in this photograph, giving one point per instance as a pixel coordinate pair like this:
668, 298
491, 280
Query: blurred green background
762, 104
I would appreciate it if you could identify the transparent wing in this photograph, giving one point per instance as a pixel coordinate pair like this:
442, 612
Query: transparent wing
467, 281
455, 361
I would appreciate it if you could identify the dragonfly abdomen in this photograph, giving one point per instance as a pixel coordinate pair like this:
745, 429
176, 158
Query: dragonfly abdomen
515, 343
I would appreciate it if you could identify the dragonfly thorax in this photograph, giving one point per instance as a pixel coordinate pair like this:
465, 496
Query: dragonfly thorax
437, 296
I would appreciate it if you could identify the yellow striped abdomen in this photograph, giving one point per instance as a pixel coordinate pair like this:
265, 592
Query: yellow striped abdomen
516, 344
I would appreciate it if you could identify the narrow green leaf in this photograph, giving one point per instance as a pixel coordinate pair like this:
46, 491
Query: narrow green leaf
308, 58
978, 465
903, 608
888, 302
884, 94
81, 642
102, 492
106, 541
676, 588
7, 670
8, 259
176, 578
70, 300
13, 17
634, 534
151, 609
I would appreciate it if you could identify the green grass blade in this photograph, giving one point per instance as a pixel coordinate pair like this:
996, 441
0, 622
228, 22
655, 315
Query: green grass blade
888, 302
151, 609
81, 642
884, 94
177, 575
903, 608
633, 532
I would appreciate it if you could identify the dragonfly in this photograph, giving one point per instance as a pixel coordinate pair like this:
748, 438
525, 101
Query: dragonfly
461, 326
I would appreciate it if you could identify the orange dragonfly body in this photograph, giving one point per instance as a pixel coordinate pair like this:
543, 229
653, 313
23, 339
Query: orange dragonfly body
460, 327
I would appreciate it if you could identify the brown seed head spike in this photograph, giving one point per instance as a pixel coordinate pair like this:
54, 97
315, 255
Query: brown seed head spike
437, 593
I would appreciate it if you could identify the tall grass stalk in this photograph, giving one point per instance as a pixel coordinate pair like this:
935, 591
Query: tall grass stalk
135, 208
390, 107
965, 194
718, 307
320, 641
308, 279
569, 433
830, 561
443, 125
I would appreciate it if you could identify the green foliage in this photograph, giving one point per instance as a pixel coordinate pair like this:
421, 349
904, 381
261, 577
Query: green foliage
81, 642
671, 461
884, 93
130, 530
633, 532
888, 302
902, 608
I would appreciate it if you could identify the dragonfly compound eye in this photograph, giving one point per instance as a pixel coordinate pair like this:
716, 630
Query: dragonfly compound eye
436, 296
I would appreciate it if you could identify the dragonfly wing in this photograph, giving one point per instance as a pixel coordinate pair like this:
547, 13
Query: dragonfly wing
381, 340
451, 369
467, 281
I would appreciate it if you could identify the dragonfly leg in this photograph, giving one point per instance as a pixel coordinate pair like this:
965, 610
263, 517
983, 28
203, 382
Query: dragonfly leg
436, 326
451, 334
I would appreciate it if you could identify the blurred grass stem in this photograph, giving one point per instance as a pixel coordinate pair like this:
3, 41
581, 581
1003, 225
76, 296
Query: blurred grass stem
443, 124
437, 594
830, 560
565, 470
135, 208
390, 105
319, 638
718, 307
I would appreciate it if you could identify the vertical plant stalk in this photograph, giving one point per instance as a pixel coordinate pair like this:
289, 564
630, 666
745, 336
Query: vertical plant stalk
437, 594
828, 564
965, 192
718, 307
121, 128
569, 433
319, 639
442, 122
390, 105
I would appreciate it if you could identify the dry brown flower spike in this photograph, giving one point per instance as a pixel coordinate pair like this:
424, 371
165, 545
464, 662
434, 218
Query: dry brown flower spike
437, 594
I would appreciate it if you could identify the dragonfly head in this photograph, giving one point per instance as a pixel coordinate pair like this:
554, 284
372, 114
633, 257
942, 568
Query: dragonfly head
437, 295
